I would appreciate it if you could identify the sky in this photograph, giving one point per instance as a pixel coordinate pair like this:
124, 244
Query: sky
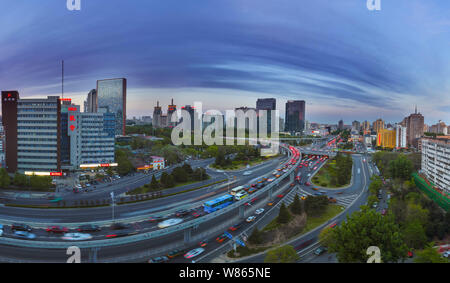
345, 61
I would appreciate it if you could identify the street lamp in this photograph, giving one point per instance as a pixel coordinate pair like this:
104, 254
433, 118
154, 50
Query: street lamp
112, 198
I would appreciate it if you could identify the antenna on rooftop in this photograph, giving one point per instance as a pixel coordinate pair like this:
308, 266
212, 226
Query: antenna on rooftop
62, 79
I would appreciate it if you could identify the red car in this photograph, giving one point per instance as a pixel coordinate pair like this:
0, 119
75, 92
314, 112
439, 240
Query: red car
221, 238
195, 214
234, 227
280, 195
56, 229
308, 183
203, 243
333, 225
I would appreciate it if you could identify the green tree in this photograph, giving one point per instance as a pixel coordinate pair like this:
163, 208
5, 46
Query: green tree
325, 236
20, 180
5, 180
296, 206
180, 175
367, 228
429, 255
154, 183
316, 205
256, 237
414, 235
284, 216
401, 167
284, 254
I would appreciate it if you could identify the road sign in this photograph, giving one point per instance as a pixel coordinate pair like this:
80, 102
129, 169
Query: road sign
239, 242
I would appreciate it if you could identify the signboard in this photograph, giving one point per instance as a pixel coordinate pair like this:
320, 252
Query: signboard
239, 242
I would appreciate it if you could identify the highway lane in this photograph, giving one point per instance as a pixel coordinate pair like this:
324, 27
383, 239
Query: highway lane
359, 184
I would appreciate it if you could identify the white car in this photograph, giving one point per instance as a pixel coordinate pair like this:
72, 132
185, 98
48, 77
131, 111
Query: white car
170, 222
76, 236
251, 218
259, 210
446, 254
194, 253
1, 230
247, 173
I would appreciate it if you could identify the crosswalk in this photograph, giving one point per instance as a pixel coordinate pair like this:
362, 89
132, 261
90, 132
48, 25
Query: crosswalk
344, 200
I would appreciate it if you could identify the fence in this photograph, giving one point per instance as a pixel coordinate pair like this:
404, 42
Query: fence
428, 188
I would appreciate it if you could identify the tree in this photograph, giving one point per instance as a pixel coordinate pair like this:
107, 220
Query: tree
429, 255
256, 237
154, 183
20, 180
414, 235
124, 165
5, 180
164, 179
180, 175
284, 216
316, 205
401, 167
284, 254
296, 206
367, 228
325, 236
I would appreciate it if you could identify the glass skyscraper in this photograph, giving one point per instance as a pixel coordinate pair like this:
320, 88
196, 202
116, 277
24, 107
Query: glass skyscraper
295, 116
112, 93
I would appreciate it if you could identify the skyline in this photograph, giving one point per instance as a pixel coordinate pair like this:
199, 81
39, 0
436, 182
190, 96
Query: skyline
346, 62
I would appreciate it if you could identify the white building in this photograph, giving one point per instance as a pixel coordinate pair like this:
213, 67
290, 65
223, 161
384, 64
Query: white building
436, 161
400, 136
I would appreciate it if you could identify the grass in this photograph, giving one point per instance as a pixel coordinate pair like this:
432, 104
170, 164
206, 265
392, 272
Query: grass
311, 223
323, 178
236, 165
147, 189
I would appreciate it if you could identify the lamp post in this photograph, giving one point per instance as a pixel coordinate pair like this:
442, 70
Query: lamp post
112, 198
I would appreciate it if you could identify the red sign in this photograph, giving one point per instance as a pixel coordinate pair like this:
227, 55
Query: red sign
66, 99
72, 118
72, 127
55, 173
104, 165
72, 109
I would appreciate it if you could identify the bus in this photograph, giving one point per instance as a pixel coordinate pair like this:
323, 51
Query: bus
217, 203
240, 196
236, 190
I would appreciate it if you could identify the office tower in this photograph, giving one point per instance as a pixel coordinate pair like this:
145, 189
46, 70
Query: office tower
87, 138
268, 104
90, 105
247, 120
366, 127
157, 112
435, 152
171, 110
356, 126
32, 128
378, 125
191, 112
414, 128
340, 125
295, 116
386, 138
112, 93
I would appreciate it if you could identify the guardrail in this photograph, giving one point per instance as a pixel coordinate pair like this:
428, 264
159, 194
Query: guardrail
147, 235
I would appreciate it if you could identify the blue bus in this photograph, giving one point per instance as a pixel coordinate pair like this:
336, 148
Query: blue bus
218, 203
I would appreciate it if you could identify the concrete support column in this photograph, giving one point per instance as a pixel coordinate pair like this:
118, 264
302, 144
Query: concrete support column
187, 235
292, 177
241, 212
271, 193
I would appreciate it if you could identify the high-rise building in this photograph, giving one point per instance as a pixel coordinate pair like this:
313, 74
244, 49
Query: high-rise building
435, 157
171, 110
414, 128
439, 128
341, 125
386, 138
90, 105
378, 125
112, 93
247, 120
356, 126
295, 116
157, 112
400, 136
190, 109
366, 127
268, 104
32, 128
87, 138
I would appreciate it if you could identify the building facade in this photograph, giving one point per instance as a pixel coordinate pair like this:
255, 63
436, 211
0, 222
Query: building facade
90, 105
436, 161
112, 93
378, 125
295, 116
414, 128
400, 136
386, 138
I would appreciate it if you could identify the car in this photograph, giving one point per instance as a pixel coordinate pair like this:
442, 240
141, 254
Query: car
320, 250
332, 200
76, 236
250, 219
196, 214
333, 225
181, 213
56, 229
374, 205
316, 189
20, 227
446, 254
89, 228
24, 235
117, 234
1, 230
259, 210
155, 218
203, 243
235, 227
247, 173
221, 238
119, 226
194, 253
308, 184
159, 259
280, 195
270, 203
410, 254
174, 253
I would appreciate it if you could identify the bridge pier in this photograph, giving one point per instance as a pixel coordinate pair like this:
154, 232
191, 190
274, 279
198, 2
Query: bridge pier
292, 177
187, 235
241, 212
271, 193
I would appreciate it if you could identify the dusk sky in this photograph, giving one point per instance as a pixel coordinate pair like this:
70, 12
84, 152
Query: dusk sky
342, 59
